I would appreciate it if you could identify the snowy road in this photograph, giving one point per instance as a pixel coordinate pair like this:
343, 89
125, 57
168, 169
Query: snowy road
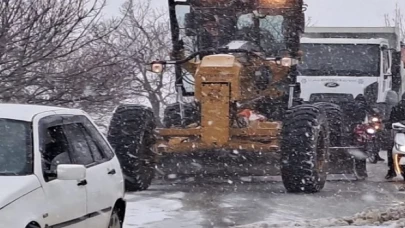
190, 205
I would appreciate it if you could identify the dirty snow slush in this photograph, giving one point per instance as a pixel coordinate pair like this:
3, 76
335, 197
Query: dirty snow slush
342, 203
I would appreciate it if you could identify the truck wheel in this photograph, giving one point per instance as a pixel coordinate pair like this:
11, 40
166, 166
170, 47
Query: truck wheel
131, 134
304, 149
336, 122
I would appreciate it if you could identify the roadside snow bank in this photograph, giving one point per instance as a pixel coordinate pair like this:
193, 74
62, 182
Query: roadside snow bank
392, 217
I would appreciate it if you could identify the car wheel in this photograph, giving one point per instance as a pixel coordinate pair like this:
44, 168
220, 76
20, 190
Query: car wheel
115, 220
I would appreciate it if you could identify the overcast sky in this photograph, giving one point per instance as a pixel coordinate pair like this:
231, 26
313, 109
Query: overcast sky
323, 12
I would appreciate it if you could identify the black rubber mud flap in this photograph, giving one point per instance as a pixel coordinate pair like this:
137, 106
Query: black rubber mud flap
131, 134
304, 149
360, 169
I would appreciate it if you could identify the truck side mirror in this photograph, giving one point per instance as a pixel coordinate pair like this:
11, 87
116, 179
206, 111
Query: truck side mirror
190, 24
392, 98
396, 62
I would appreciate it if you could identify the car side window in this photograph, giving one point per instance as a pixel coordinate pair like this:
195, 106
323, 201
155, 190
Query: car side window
54, 150
98, 138
80, 150
95, 150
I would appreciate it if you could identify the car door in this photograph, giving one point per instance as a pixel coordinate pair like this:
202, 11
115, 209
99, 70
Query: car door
66, 204
101, 190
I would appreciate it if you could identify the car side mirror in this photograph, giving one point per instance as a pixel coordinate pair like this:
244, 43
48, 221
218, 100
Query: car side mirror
190, 24
71, 172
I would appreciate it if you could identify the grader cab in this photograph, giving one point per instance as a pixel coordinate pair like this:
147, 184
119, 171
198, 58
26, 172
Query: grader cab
237, 60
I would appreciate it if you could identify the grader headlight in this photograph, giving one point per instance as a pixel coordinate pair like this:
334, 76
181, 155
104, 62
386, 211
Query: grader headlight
155, 67
287, 62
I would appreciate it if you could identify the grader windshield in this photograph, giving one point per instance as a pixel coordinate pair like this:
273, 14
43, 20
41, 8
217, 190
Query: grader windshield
271, 27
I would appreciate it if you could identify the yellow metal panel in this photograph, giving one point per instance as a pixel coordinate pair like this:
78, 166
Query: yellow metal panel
243, 145
221, 69
215, 114
179, 132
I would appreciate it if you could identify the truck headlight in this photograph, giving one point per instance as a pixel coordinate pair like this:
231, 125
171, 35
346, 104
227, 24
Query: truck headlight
400, 148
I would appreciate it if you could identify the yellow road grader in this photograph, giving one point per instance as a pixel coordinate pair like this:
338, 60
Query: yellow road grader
237, 60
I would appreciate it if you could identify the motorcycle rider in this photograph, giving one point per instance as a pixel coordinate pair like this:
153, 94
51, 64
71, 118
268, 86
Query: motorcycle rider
397, 115
363, 109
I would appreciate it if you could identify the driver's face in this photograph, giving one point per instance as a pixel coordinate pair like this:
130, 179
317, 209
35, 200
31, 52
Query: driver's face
211, 27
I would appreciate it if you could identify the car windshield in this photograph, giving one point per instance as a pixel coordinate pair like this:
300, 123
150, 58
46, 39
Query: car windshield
340, 60
15, 147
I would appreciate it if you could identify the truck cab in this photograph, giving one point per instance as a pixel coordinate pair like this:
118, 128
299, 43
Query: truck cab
339, 64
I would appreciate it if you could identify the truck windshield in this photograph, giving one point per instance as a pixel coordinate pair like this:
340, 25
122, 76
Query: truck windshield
340, 60
15, 147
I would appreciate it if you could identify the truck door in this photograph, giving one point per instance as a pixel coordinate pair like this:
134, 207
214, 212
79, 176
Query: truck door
386, 71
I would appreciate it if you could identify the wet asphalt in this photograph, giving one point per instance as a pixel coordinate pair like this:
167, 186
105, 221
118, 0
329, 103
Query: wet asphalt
209, 204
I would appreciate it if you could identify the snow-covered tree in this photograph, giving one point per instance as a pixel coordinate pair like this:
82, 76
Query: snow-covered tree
397, 20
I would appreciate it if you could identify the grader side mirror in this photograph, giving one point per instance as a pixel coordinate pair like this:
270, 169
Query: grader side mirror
155, 67
190, 24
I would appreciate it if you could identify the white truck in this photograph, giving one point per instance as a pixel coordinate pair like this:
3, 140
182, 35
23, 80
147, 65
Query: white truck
341, 63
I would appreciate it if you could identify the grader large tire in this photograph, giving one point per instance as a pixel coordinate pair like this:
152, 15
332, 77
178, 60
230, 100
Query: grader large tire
172, 117
131, 134
304, 149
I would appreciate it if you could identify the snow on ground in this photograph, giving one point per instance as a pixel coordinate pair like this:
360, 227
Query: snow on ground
393, 217
143, 211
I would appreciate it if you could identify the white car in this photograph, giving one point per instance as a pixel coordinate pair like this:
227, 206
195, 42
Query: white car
57, 170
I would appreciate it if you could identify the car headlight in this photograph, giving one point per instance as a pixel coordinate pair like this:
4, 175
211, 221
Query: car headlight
400, 148
370, 131
375, 119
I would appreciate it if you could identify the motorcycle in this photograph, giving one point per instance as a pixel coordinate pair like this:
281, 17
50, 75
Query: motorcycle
398, 151
366, 137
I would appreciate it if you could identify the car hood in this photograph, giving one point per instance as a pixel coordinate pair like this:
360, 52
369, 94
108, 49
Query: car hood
14, 187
